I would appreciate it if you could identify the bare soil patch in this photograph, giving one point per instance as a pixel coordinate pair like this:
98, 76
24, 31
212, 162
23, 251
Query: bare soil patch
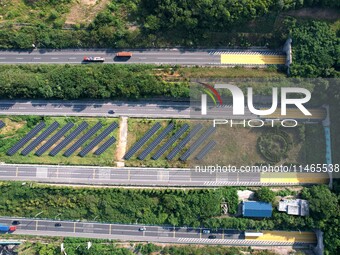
84, 11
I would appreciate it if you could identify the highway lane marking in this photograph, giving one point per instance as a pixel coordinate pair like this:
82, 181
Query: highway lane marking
54, 58
2, 58
74, 227
19, 58
72, 58
36, 58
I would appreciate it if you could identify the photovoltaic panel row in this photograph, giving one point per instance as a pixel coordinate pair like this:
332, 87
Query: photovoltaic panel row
105, 146
54, 139
98, 139
143, 140
205, 150
25, 139
83, 139
2, 124
171, 141
182, 144
155, 142
68, 139
40, 138
197, 143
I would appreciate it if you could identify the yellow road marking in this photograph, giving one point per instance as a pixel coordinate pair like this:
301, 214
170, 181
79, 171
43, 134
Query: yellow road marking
285, 236
294, 178
253, 59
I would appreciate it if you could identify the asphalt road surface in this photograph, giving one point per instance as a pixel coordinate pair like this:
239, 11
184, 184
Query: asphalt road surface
126, 176
146, 56
126, 232
159, 109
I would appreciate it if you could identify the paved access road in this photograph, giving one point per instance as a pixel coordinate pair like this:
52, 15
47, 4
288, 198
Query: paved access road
131, 232
159, 109
146, 56
135, 176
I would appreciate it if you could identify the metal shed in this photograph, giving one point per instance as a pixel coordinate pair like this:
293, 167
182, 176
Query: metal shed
257, 209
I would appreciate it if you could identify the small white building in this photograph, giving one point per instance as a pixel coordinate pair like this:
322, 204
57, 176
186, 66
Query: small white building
294, 207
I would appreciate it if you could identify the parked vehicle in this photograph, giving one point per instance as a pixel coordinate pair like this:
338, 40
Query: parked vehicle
7, 229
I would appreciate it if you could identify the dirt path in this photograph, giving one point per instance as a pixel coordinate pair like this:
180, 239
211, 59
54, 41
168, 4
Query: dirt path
84, 11
122, 141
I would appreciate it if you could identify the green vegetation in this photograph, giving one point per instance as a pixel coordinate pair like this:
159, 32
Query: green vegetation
139, 23
316, 51
90, 81
174, 207
78, 246
325, 211
18, 126
265, 194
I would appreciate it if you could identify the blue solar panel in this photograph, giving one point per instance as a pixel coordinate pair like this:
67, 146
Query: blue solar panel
182, 144
171, 141
154, 143
205, 150
2, 124
83, 139
40, 138
142, 141
54, 139
98, 139
105, 146
197, 143
68, 139
25, 140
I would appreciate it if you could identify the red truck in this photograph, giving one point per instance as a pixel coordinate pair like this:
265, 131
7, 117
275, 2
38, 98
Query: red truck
5, 228
125, 54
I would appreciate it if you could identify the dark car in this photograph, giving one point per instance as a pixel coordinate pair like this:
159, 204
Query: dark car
16, 222
212, 237
57, 225
111, 112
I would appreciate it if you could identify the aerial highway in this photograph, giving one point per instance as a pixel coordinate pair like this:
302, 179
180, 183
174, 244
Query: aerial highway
147, 109
152, 109
134, 232
171, 56
138, 176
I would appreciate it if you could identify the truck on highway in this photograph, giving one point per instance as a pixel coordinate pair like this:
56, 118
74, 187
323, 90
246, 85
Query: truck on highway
5, 228
124, 54
93, 59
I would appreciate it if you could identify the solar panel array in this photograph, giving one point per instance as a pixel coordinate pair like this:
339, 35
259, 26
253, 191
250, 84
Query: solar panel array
83, 139
105, 146
25, 139
182, 144
143, 140
155, 142
54, 139
69, 138
40, 138
197, 143
98, 139
205, 150
171, 141
2, 124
